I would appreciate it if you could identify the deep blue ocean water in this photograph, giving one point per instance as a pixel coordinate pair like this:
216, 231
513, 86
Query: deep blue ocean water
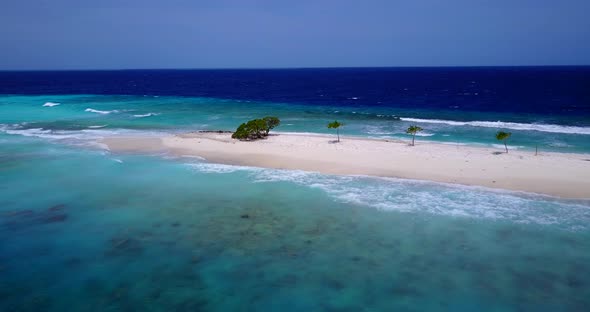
83, 229
527, 90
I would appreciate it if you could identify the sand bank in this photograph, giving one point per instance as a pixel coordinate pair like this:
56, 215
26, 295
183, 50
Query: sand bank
556, 174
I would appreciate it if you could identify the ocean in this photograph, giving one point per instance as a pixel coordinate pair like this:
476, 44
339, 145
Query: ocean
82, 229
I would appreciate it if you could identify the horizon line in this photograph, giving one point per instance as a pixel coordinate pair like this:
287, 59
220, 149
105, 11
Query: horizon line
283, 68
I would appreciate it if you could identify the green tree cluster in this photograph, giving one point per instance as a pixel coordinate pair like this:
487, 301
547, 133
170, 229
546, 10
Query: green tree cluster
256, 128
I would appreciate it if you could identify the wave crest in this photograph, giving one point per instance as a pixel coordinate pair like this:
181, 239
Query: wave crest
146, 115
391, 194
91, 110
506, 125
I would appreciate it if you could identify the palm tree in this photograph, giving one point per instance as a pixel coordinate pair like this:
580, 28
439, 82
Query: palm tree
413, 130
503, 136
335, 125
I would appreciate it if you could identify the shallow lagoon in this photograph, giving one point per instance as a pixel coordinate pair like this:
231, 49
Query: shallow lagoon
84, 230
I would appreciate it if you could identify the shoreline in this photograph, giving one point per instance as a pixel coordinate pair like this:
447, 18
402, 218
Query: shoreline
554, 174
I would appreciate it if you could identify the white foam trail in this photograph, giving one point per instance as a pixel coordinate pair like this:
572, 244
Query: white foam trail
51, 104
85, 137
34, 132
414, 196
96, 127
375, 130
424, 134
220, 168
91, 110
439, 198
506, 125
560, 144
146, 115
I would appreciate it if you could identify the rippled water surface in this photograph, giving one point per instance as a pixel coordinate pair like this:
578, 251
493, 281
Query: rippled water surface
86, 230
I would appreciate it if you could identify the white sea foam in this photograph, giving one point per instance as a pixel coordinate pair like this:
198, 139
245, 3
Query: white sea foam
91, 110
146, 115
97, 127
506, 125
85, 137
414, 196
28, 132
424, 134
560, 144
47, 134
220, 168
51, 104
60, 136
376, 130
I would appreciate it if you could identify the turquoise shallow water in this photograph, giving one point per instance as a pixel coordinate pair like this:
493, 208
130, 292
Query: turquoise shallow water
82, 229
85, 230
100, 115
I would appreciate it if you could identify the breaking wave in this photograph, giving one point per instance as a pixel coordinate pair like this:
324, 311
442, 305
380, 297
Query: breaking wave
221, 168
506, 125
146, 115
83, 137
91, 110
424, 134
392, 194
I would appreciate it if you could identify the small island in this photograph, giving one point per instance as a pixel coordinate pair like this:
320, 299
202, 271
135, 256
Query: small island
556, 174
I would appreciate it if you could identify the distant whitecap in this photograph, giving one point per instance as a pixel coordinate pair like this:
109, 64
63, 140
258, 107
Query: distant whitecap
424, 134
146, 115
91, 110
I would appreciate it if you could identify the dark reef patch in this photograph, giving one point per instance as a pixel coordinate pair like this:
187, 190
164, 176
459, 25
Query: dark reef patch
23, 219
124, 246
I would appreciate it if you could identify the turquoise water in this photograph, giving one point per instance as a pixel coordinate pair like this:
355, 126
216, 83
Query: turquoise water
82, 229
102, 115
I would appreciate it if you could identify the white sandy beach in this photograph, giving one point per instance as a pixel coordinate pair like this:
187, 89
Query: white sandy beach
555, 174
